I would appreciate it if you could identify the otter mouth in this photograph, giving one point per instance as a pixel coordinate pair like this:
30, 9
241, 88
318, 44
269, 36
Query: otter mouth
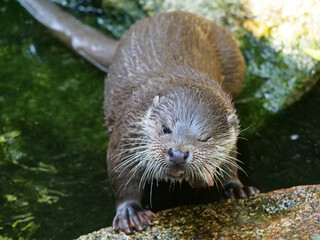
176, 173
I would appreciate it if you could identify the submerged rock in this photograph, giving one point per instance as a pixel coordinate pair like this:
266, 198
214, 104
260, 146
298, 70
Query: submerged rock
281, 214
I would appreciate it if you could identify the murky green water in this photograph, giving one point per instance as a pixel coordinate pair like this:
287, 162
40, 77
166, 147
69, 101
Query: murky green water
52, 139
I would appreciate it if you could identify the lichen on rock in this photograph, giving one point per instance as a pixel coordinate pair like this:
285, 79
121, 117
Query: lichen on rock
281, 214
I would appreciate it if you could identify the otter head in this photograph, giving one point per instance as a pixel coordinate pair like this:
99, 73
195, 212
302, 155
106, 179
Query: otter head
191, 133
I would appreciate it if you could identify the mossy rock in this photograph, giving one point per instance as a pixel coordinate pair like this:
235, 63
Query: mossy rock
281, 214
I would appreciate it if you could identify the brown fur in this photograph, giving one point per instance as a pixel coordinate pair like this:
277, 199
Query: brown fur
176, 71
169, 45
179, 56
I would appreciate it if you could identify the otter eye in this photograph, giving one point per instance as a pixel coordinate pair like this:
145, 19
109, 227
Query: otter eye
165, 130
204, 139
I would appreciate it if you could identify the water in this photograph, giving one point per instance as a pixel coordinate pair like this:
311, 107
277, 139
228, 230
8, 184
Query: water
52, 140
285, 150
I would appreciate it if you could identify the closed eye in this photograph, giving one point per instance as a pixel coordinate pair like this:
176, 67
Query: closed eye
205, 139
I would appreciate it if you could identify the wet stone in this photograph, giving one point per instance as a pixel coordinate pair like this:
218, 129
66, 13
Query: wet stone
281, 214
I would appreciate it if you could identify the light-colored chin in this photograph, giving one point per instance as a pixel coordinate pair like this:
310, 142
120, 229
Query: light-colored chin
178, 175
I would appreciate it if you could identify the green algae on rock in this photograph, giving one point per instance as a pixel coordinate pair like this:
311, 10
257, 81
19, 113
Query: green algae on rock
281, 214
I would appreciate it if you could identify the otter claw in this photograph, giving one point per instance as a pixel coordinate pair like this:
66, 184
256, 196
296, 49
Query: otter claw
131, 216
240, 192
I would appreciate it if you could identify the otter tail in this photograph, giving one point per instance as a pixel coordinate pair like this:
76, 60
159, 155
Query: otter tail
88, 42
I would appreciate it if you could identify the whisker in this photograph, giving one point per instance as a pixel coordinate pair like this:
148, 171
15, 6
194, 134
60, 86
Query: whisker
129, 160
198, 169
243, 138
150, 197
229, 150
136, 143
133, 174
216, 179
245, 129
227, 161
145, 175
136, 139
123, 151
222, 156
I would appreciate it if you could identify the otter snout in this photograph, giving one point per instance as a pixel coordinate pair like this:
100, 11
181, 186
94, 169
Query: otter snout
177, 156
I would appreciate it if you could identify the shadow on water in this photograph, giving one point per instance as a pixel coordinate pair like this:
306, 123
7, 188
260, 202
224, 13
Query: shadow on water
285, 151
52, 139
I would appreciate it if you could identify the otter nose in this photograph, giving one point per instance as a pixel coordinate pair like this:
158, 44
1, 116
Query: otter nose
177, 157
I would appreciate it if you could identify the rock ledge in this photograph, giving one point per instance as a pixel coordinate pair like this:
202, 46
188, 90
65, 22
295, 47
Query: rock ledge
281, 214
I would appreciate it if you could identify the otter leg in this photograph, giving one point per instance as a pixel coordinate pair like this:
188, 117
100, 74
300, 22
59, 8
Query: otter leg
130, 214
236, 190
233, 188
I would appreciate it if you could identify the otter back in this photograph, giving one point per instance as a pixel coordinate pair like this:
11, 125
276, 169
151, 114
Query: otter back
174, 43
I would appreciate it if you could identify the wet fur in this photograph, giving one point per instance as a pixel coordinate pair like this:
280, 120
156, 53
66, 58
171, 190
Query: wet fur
174, 68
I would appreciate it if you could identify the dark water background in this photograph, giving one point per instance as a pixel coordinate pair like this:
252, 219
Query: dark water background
52, 140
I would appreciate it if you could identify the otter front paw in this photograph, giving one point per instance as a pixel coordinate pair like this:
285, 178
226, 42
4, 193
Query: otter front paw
240, 192
131, 216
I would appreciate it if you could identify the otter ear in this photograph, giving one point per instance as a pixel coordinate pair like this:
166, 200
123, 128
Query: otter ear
233, 119
156, 101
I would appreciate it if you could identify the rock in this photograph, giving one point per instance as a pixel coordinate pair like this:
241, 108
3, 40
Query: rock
281, 214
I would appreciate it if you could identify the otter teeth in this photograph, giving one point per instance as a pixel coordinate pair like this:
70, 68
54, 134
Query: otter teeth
177, 174
175, 180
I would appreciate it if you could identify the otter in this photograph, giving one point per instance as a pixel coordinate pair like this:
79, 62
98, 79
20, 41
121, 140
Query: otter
168, 106
169, 111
